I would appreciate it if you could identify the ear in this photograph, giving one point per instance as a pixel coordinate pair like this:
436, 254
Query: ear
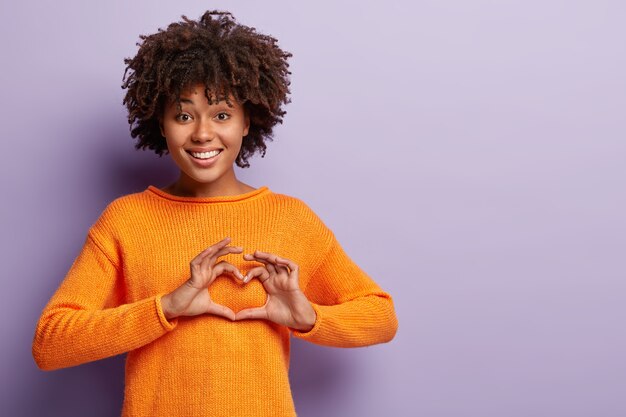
246, 119
160, 120
247, 126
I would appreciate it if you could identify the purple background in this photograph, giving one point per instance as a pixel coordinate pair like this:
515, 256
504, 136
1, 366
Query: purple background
469, 155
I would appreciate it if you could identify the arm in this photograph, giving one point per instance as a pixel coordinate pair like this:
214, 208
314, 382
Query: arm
341, 306
352, 310
83, 322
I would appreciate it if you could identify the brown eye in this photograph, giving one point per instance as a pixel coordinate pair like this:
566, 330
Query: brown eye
183, 117
222, 116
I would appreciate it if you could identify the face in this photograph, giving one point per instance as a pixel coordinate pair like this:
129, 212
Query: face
204, 139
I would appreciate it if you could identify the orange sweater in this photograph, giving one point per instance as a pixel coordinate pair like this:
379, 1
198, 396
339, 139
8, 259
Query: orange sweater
139, 249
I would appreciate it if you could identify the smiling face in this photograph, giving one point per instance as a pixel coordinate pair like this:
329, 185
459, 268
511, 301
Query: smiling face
204, 140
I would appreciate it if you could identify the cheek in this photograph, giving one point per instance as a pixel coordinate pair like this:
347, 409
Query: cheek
173, 136
234, 136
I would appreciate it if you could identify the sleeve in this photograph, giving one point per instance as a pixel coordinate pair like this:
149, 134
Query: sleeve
352, 310
84, 321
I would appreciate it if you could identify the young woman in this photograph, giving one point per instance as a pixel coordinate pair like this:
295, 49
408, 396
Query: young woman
202, 282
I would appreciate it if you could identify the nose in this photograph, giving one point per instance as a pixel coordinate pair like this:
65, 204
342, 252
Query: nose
203, 132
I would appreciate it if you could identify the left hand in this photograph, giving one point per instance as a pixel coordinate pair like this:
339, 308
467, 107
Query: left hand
286, 304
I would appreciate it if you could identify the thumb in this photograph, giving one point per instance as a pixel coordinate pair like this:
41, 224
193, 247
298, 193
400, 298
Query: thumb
251, 313
220, 310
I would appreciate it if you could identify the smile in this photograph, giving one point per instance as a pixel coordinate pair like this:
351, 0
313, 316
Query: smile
205, 155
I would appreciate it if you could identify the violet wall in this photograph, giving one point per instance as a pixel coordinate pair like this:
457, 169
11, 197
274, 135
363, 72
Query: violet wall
469, 155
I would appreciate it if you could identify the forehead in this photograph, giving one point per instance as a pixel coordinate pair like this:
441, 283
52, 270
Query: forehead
193, 90
199, 94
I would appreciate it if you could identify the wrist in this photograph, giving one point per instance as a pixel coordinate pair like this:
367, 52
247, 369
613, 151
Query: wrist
307, 322
166, 307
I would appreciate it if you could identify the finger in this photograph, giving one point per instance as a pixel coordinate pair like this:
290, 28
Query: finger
264, 258
252, 257
278, 266
223, 266
293, 267
259, 272
210, 259
219, 245
228, 249
281, 268
211, 249
223, 241
251, 313
222, 311
271, 269
274, 259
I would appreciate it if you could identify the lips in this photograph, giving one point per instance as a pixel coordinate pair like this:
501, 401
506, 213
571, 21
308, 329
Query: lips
205, 159
204, 154
203, 149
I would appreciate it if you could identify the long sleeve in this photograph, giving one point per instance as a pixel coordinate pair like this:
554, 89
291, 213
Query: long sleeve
139, 249
84, 321
352, 310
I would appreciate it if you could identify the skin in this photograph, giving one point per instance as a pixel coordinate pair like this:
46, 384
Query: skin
201, 125
204, 125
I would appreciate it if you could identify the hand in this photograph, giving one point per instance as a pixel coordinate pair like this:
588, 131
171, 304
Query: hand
192, 298
286, 304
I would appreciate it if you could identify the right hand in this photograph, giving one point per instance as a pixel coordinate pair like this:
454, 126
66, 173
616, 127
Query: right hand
192, 298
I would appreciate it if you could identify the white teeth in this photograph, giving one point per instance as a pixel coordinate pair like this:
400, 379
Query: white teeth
205, 155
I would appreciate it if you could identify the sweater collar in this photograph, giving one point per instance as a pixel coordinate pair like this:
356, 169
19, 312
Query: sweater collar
216, 199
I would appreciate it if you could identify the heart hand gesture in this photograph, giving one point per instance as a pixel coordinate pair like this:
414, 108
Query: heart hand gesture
192, 298
286, 304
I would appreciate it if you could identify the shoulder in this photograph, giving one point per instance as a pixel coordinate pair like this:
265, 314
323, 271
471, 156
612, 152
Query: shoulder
121, 211
289, 202
123, 205
298, 214
294, 206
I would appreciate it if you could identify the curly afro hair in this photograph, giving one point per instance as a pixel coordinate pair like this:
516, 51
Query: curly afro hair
228, 58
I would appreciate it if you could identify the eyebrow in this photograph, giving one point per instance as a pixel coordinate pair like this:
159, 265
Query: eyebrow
189, 101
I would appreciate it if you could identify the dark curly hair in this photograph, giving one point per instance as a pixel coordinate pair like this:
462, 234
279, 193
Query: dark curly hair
226, 57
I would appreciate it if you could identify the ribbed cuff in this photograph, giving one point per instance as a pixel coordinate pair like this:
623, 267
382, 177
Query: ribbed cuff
362, 321
168, 325
316, 326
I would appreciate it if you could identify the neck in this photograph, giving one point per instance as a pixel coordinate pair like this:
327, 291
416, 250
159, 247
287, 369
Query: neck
187, 187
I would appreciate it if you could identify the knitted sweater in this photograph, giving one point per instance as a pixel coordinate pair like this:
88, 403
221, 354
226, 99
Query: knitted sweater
139, 249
